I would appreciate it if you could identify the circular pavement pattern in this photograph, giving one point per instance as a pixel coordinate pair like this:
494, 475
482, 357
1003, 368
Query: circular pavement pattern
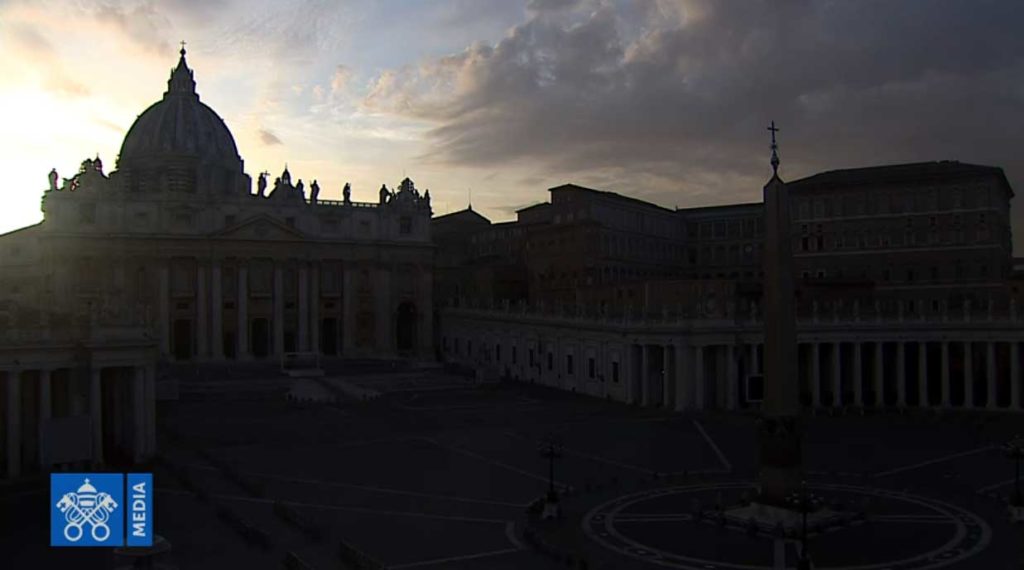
648, 526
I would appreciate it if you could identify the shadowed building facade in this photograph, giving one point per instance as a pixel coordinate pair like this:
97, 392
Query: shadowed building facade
173, 257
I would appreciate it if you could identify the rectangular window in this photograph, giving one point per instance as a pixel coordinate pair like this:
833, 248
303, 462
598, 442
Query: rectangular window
513, 355
551, 361
568, 364
497, 353
405, 225
615, 372
590, 368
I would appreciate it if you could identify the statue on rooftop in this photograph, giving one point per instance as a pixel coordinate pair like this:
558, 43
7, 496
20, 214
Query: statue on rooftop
98, 164
384, 194
53, 180
314, 192
346, 193
261, 184
301, 188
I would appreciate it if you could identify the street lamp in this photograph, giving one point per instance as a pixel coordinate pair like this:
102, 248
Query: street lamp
1015, 451
551, 448
804, 502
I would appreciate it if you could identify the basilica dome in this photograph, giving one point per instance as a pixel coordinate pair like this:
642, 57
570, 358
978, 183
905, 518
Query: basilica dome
179, 126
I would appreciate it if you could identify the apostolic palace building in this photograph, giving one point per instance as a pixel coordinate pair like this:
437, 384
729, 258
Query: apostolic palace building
907, 291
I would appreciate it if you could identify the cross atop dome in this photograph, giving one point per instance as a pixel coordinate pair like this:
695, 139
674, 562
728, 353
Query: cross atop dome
182, 81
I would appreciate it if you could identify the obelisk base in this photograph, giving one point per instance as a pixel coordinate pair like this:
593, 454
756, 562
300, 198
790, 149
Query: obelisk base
779, 444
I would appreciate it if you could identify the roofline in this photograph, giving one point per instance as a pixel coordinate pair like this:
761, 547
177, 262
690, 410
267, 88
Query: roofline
612, 195
12, 232
537, 205
965, 168
720, 207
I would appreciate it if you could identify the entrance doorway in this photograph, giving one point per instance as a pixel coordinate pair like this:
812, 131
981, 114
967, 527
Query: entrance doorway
260, 336
182, 339
405, 329
329, 336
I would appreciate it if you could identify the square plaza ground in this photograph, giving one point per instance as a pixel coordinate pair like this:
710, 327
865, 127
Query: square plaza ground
437, 473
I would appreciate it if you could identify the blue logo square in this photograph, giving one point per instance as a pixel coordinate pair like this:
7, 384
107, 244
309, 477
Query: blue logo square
86, 509
139, 509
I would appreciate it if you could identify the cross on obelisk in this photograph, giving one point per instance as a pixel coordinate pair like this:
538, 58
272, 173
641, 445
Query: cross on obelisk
778, 432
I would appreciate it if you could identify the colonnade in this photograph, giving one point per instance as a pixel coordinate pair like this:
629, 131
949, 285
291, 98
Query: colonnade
55, 415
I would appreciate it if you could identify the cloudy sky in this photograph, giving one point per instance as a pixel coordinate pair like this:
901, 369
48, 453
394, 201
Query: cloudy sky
665, 100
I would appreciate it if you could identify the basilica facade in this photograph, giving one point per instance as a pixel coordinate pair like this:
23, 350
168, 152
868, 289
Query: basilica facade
174, 256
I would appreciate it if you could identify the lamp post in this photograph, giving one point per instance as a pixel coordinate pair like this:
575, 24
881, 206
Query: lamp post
804, 502
1015, 451
550, 448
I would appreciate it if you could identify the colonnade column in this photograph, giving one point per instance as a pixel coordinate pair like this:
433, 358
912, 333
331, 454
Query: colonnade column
1015, 379
698, 377
163, 308
858, 380
216, 312
681, 374
303, 336
944, 367
968, 375
837, 375
138, 392
242, 337
645, 376
667, 376
901, 374
150, 407
348, 347
922, 375
990, 375
202, 338
732, 371
314, 309
13, 423
816, 374
425, 336
96, 415
878, 377
278, 309
382, 302
45, 411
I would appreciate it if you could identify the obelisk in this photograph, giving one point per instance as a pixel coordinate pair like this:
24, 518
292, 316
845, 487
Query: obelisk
778, 431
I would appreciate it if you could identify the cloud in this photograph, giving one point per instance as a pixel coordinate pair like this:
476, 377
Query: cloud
671, 98
550, 5
340, 79
142, 23
268, 138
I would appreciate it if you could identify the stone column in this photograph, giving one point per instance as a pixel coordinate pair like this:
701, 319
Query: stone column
149, 403
202, 310
45, 412
968, 375
732, 372
303, 333
667, 384
278, 309
348, 317
383, 313
164, 310
682, 373
901, 374
837, 376
13, 424
242, 338
314, 309
425, 335
879, 376
1015, 380
922, 375
815, 374
990, 374
698, 357
138, 392
944, 366
216, 316
858, 375
96, 415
